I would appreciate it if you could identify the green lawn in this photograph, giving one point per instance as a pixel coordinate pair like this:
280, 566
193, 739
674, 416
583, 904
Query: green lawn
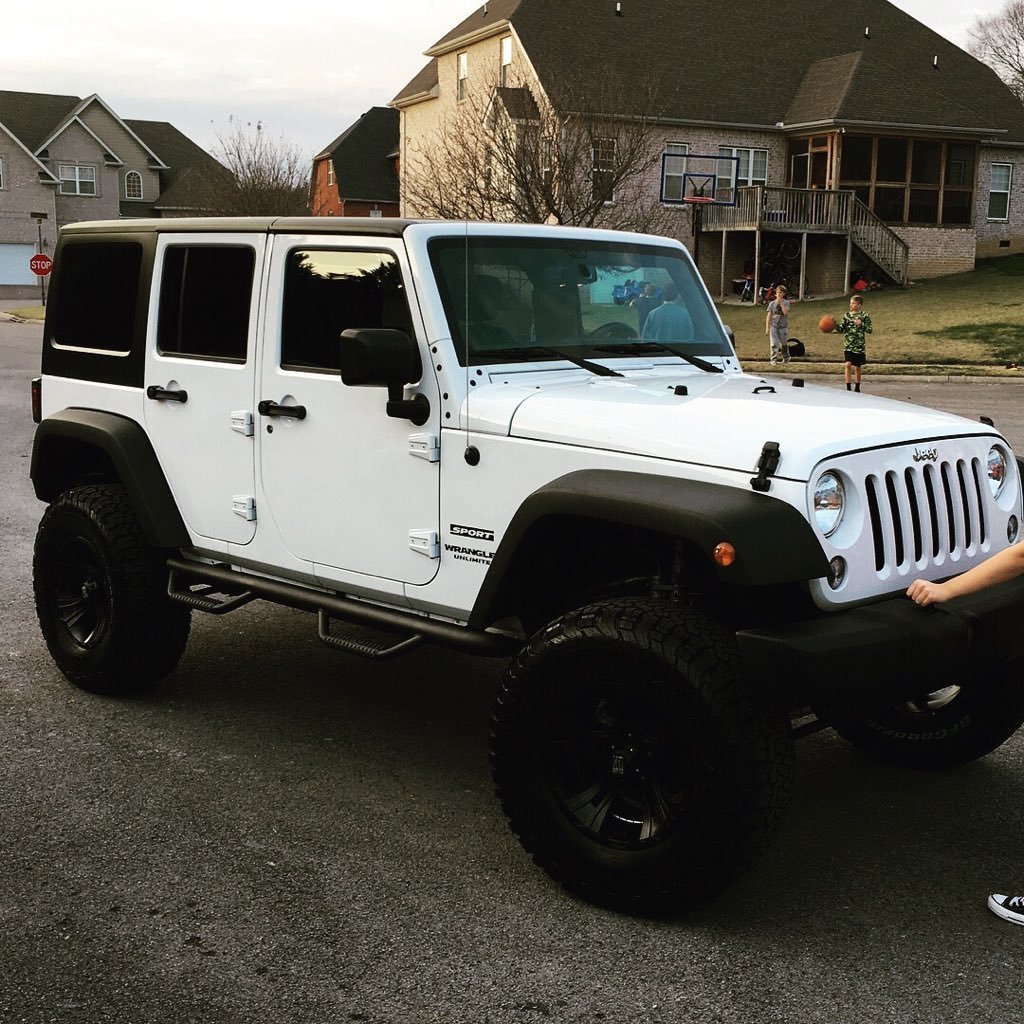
963, 324
28, 312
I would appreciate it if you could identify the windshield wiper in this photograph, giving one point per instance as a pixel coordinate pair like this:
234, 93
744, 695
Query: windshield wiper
527, 353
658, 346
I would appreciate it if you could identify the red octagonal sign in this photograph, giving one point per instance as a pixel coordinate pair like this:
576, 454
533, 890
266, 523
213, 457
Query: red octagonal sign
40, 264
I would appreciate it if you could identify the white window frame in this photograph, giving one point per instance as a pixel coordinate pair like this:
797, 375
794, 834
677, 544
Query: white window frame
462, 75
505, 60
726, 168
330, 172
1, 173
132, 176
80, 175
673, 166
1000, 192
601, 159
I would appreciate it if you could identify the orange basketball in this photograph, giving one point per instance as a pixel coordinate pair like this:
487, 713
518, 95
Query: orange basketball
827, 324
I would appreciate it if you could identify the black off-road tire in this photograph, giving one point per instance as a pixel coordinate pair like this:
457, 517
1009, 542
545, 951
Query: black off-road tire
630, 759
946, 728
101, 594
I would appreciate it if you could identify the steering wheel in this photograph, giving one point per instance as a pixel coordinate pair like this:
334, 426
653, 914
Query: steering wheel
613, 329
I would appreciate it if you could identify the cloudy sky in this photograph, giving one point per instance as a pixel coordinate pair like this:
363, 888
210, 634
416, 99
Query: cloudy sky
305, 70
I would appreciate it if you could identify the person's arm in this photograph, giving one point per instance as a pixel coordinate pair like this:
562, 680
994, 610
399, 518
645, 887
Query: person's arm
768, 320
842, 324
866, 320
1006, 565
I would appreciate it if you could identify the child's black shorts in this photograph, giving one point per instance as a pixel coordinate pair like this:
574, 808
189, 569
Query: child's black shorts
855, 358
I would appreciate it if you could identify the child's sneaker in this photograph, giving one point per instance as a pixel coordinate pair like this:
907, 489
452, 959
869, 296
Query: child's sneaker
1009, 908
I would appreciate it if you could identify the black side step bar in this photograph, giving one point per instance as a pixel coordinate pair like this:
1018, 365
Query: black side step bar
223, 580
370, 643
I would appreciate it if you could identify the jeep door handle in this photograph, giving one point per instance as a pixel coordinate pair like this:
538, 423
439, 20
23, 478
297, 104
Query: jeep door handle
267, 408
160, 394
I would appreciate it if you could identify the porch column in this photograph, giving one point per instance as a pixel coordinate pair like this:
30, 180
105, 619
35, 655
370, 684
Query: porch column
721, 284
803, 264
849, 259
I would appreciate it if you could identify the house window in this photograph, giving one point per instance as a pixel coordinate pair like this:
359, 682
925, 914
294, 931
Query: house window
673, 169
999, 191
133, 185
462, 65
506, 60
330, 172
1, 174
604, 170
750, 167
76, 180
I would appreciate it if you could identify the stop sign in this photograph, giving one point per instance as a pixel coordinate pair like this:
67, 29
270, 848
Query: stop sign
40, 264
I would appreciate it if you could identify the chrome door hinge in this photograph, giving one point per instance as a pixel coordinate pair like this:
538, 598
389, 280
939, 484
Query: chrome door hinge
244, 506
425, 446
242, 422
425, 542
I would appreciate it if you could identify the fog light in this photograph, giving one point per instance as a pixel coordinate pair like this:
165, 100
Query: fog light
837, 572
1012, 529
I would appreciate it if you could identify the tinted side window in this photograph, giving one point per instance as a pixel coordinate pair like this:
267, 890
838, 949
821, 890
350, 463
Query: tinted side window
205, 296
329, 291
99, 288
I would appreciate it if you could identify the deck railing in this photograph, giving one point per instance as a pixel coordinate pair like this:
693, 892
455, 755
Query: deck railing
816, 211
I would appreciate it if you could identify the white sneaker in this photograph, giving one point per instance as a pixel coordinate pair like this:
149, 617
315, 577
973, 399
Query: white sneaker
1009, 908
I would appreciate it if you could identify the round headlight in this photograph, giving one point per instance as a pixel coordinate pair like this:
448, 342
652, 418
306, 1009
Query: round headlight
996, 470
829, 501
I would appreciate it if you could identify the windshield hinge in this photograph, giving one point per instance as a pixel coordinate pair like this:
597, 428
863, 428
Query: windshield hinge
766, 466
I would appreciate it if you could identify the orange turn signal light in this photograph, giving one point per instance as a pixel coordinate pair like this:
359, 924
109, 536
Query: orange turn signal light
725, 554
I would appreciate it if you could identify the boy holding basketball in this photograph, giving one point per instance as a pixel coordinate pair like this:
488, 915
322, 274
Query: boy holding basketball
856, 324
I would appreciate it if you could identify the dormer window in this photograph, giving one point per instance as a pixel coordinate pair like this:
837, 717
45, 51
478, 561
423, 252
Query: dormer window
133, 185
462, 71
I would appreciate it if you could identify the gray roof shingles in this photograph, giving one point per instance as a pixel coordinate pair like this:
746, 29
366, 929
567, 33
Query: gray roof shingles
361, 156
745, 63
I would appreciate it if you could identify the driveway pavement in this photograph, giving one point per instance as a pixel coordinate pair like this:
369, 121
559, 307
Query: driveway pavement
284, 834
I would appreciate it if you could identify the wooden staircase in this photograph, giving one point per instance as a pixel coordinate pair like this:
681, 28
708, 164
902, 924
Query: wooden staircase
761, 208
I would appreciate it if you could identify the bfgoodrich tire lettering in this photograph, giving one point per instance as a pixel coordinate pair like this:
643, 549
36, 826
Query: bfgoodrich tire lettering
945, 728
101, 594
631, 761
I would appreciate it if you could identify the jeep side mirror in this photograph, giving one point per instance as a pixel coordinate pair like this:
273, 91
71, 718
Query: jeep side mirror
384, 358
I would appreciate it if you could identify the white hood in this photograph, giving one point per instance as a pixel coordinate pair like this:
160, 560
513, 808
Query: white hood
722, 420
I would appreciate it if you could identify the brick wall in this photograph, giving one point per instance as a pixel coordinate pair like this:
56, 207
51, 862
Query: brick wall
1000, 237
22, 194
938, 251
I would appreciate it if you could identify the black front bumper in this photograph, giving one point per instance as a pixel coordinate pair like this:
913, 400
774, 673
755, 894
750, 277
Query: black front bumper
855, 660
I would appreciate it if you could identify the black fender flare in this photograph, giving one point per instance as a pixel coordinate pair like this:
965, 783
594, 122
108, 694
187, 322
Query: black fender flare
774, 543
130, 453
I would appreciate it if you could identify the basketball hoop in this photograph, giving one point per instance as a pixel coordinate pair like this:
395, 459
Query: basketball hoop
698, 199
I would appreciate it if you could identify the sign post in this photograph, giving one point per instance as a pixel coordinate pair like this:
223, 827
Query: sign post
40, 264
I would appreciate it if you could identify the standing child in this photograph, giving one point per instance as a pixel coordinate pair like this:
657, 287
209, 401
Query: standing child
855, 325
776, 326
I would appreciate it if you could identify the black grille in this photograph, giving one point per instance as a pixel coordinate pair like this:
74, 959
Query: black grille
933, 510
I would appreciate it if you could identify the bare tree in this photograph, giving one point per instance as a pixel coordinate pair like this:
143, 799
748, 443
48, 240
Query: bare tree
998, 40
266, 176
508, 154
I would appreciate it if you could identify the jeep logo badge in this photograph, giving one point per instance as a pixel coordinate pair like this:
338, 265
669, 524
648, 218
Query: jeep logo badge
926, 454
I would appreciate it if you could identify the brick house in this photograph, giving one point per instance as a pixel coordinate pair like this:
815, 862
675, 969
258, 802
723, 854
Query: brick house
357, 174
65, 159
829, 140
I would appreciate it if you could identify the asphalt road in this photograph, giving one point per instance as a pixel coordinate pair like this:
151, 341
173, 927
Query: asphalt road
284, 834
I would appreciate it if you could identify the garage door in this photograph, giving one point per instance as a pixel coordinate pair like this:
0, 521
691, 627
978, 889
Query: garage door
14, 259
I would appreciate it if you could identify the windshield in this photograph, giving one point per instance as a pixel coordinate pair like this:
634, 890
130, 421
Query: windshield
520, 298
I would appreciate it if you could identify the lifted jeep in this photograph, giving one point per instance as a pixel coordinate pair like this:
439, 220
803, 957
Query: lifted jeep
454, 433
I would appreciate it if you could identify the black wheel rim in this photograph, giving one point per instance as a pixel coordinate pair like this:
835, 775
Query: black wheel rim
82, 593
622, 762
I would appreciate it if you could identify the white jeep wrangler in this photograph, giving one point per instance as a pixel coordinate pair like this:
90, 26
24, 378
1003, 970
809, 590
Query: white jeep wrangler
452, 433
